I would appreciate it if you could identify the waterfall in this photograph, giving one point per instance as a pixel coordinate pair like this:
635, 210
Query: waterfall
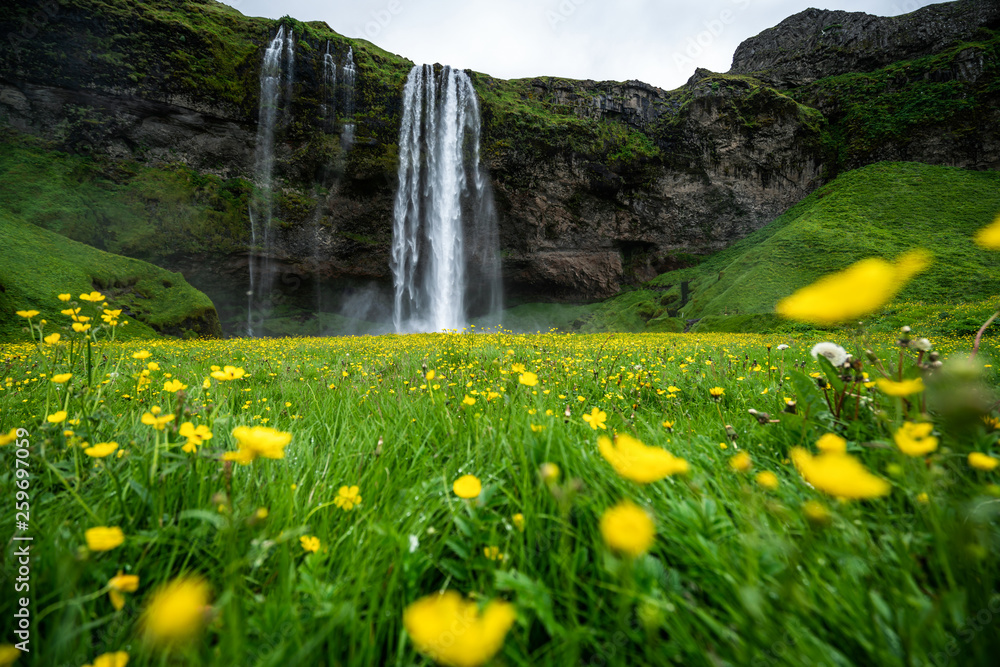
330, 86
443, 196
350, 72
279, 63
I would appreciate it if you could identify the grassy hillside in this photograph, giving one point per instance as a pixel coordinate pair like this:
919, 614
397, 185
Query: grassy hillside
39, 264
880, 210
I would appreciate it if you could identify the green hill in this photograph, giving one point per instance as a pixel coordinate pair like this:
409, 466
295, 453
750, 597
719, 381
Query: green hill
880, 210
39, 264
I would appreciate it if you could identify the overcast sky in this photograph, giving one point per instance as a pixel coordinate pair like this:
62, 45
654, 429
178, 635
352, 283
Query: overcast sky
656, 41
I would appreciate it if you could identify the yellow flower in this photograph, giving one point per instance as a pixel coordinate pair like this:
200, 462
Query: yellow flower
101, 449
716, 392
453, 631
195, 436
103, 538
596, 419
741, 462
669, 425
258, 441
27, 313
347, 498
117, 659
923, 498
65, 297
93, 296
830, 442
153, 366
174, 386
528, 379
310, 543
157, 422
177, 611
493, 553
858, 290
468, 400
8, 654
80, 328
839, 475
549, 472
628, 529
537, 428
904, 388
206, 383
62, 377
816, 512
915, 439
430, 374
989, 236
518, 520
467, 486
981, 461
635, 461
52, 339
9, 437
142, 354
768, 480
57, 417
121, 583
517, 368
229, 373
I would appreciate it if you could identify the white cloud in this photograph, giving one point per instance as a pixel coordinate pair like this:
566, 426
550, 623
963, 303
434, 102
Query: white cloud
656, 41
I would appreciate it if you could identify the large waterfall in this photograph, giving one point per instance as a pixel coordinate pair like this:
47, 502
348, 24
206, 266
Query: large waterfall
278, 67
445, 250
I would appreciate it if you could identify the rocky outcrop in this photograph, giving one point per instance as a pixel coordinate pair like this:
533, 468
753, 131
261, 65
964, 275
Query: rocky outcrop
818, 43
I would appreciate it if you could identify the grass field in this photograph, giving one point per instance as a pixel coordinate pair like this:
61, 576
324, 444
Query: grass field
749, 564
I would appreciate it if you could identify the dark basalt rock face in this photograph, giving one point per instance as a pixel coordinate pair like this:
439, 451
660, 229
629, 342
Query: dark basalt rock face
818, 43
597, 184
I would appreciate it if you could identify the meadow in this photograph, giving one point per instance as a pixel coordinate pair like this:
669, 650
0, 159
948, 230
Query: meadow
302, 501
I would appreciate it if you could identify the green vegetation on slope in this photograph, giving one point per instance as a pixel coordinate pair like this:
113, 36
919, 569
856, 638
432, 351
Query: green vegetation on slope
38, 265
877, 211
122, 207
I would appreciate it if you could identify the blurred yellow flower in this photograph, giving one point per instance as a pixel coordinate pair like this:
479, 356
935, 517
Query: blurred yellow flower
8, 654
62, 377
467, 486
52, 339
65, 297
628, 529
493, 553
768, 480
116, 659
310, 543
635, 461
549, 472
258, 442
468, 400
857, 291
142, 354
57, 417
716, 392
831, 442
174, 386
229, 373
101, 449
121, 583
348, 497
27, 313
741, 462
93, 296
989, 236
596, 419
528, 379
195, 436
157, 422
9, 437
176, 612
915, 439
430, 374
981, 461
839, 475
903, 388
518, 520
816, 512
432, 621
104, 538
80, 328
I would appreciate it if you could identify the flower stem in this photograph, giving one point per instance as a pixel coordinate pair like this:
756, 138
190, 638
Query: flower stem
982, 330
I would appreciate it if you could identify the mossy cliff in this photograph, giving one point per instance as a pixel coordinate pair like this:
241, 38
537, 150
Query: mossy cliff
151, 108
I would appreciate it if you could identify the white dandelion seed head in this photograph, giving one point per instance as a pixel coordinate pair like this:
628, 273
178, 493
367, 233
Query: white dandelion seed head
414, 543
922, 344
782, 347
835, 354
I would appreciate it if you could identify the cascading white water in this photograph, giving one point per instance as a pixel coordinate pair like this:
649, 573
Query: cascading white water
330, 85
350, 73
438, 204
278, 65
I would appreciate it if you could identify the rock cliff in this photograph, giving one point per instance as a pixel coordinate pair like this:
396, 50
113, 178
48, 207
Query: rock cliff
598, 184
